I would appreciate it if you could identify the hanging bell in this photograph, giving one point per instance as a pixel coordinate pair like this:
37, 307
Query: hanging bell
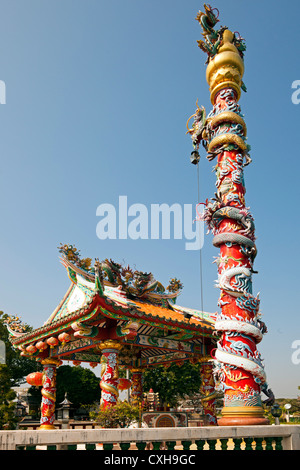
195, 157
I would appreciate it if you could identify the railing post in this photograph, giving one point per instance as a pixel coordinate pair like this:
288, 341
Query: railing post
296, 439
292, 442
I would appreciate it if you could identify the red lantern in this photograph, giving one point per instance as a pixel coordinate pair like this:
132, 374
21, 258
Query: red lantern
52, 342
124, 384
64, 338
31, 349
76, 363
41, 345
93, 364
35, 379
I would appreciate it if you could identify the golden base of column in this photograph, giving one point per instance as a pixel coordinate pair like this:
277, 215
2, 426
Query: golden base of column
47, 427
243, 416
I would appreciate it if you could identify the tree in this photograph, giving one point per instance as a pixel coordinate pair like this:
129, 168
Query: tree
174, 382
294, 402
8, 418
120, 415
82, 385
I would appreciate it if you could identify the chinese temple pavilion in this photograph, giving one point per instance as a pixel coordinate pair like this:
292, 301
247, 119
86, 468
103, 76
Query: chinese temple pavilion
117, 317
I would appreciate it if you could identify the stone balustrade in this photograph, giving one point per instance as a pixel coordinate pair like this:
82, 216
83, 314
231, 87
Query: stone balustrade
282, 437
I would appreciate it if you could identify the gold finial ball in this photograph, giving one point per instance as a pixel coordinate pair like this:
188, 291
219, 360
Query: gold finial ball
226, 69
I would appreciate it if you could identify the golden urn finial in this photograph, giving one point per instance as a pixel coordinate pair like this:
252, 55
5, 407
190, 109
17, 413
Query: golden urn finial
226, 68
225, 52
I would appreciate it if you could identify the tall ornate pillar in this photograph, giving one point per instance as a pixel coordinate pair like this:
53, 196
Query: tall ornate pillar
208, 391
238, 365
137, 386
109, 372
48, 393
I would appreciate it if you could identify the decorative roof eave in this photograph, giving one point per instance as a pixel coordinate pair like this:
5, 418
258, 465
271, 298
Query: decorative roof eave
90, 311
104, 306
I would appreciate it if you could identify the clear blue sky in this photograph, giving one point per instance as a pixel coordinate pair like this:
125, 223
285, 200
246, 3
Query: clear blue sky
97, 98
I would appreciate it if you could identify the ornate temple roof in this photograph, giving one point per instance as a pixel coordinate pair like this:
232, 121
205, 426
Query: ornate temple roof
142, 312
82, 290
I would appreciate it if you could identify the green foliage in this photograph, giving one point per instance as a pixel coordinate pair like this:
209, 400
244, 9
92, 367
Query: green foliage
295, 402
120, 415
81, 384
8, 419
174, 382
293, 411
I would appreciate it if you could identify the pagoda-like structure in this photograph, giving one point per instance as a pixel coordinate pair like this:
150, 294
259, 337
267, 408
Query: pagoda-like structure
223, 133
117, 317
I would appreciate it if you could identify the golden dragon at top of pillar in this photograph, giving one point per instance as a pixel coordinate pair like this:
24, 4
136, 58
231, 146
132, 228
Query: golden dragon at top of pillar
225, 51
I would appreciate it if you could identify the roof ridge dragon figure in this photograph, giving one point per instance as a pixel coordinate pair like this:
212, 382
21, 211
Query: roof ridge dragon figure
133, 282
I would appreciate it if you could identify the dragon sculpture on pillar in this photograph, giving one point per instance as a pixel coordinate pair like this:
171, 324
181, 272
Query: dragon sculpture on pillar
136, 284
223, 133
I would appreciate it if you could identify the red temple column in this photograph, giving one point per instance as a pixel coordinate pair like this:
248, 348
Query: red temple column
109, 372
208, 392
137, 386
48, 393
238, 364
